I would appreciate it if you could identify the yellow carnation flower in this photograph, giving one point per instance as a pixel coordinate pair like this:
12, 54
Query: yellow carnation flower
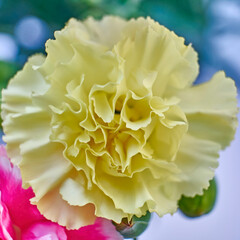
109, 124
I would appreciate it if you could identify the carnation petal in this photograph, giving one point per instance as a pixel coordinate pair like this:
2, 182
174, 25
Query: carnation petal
197, 164
165, 140
211, 109
17, 102
47, 169
146, 189
107, 31
76, 194
6, 226
141, 50
58, 210
44, 231
102, 229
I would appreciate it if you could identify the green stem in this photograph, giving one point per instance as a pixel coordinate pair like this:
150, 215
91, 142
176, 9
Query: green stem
135, 238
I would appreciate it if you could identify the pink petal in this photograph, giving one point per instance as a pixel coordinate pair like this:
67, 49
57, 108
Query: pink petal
3, 152
102, 229
14, 196
6, 230
44, 231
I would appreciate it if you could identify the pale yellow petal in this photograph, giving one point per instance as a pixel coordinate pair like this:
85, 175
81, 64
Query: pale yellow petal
43, 167
160, 201
136, 112
75, 192
56, 209
211, 109
18, 109
150, 46
166, 137
107, 31
197, 160
127, 194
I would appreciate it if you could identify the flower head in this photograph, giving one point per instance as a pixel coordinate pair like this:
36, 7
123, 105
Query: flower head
108, 124
21, 220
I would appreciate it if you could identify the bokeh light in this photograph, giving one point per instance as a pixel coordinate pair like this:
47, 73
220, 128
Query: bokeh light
8, 47
31, 32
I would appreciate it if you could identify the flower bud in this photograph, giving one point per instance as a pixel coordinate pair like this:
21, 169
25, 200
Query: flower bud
135, 227
199, 205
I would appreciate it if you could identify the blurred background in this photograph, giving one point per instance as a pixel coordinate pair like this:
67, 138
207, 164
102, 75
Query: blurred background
213, 28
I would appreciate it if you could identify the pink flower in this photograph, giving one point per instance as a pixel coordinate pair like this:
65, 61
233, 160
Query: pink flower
21, 220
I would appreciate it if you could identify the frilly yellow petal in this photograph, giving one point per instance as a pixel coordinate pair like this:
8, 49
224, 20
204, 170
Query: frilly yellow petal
18, 111
141, 50
197, 164
75, 192
211, 109
56, 209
